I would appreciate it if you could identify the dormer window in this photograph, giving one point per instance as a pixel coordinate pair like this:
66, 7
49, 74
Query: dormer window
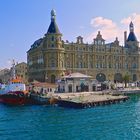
79, 40
99, 40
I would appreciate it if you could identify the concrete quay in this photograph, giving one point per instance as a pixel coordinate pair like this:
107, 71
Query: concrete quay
80, 99
86, 100
128, 91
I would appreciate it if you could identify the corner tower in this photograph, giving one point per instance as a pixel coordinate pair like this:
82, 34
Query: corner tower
133, 57
54, 51
131, 41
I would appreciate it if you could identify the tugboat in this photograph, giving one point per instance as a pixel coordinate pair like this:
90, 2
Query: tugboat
14, 93
14, 98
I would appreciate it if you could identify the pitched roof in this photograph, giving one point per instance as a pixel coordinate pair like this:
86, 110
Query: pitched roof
44, 85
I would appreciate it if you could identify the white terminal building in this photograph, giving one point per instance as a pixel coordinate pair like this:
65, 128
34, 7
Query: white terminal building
77, 82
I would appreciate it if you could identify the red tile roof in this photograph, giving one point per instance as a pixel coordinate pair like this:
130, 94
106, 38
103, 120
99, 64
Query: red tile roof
50, 85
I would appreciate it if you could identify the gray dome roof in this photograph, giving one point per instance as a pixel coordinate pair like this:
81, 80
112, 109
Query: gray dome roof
53, 28
131, 36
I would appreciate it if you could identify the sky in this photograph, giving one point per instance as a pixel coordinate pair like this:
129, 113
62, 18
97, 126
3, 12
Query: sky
24, 21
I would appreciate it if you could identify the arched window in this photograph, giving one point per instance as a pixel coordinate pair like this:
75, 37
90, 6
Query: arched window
126, 66
134, 66
118, 77
52, 45
101, 77
80, 65
134, 77
91, 65
68, 64
52, 78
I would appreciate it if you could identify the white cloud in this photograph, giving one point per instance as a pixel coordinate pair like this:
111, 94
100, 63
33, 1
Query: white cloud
110, 30
102, 22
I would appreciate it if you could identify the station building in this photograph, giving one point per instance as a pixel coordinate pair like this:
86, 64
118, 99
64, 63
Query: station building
50, 58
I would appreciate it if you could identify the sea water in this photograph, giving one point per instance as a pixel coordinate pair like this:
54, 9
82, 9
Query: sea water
111, 122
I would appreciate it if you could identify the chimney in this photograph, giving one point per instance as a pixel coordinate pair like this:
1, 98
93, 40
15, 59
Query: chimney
125, 37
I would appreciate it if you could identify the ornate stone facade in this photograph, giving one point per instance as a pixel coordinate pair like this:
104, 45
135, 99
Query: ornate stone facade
5, 75
49, 58
21, 71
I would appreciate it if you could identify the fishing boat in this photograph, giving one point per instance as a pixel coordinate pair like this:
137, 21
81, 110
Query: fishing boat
14, 93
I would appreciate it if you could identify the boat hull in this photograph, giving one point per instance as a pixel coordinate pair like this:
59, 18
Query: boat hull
14, 98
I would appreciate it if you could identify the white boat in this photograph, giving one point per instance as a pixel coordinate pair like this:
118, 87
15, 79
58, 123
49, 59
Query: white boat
13, 85
14, 92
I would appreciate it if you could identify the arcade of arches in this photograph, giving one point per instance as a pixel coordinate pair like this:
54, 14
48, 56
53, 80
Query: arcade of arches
102, 77
117, 77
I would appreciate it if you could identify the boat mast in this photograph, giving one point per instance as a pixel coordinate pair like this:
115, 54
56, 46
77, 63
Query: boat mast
13, 70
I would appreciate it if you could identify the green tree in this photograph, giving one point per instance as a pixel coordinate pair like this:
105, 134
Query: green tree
126, 79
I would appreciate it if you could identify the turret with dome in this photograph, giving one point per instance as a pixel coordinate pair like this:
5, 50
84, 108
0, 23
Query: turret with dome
54, 50
53, 28
131, 36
